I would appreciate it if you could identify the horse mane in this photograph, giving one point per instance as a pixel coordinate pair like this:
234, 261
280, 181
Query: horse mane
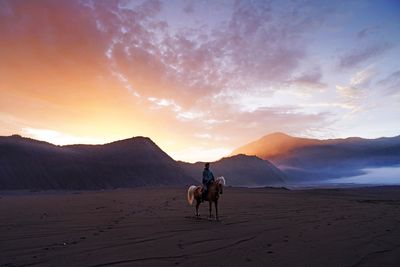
221, 180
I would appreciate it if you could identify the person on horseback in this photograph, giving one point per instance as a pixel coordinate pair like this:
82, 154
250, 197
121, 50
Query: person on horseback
208, 178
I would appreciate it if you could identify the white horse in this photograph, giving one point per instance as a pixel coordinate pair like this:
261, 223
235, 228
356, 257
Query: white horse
214, 190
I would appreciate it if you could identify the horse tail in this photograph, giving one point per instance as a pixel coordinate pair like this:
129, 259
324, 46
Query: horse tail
190, 194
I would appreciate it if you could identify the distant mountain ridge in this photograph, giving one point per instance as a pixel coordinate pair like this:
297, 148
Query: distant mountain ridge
273, 160
240, 170
36, 165
30, 164
274, 144
303, 159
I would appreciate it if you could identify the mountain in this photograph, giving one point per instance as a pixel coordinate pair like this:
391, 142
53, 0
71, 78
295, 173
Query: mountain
274, 144
240, 170
304, 159
30, 164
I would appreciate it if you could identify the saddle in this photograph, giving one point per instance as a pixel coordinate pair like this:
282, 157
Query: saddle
203, 191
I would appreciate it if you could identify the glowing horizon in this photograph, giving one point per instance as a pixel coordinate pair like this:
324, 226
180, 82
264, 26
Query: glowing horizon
199, 78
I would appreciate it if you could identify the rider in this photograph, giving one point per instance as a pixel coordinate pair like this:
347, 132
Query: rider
208, 178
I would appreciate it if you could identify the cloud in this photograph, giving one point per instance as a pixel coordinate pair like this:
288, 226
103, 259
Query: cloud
309, 80
248, 48
161, 103
357, 90
362, 54
363, 78
180, 113
194, 71
125, 82
364, 33
189, 7
391, 83
189, 115
350, 93
183, 68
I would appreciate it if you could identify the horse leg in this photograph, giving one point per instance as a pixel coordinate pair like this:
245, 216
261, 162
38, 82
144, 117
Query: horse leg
210, 207
197, 208
216, 210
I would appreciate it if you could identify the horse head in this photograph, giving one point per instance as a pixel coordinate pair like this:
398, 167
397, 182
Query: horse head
220, 182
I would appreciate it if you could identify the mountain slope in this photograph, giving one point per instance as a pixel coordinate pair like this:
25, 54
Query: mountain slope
313, 159
274, 145
240, 170
30, 164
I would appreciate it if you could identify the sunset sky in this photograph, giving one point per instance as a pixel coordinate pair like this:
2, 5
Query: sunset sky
200, 78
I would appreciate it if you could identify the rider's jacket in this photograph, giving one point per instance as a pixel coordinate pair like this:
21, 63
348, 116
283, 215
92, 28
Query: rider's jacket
208, 177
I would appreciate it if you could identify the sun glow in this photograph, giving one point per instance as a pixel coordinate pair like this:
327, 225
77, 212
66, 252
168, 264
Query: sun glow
59, 138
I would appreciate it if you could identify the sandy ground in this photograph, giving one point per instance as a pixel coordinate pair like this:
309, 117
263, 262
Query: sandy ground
156, 227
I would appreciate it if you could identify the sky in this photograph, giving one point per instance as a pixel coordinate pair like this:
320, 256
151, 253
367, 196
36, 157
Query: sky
200, 78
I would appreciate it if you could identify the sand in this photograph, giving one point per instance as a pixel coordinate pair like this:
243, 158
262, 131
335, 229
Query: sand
156, 227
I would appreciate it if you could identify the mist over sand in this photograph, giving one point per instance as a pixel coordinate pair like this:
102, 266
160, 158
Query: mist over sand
373, 176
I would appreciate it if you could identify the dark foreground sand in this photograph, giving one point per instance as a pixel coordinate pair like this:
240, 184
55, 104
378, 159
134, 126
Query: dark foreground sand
156, 227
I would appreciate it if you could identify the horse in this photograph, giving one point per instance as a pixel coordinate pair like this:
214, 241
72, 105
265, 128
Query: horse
214, 190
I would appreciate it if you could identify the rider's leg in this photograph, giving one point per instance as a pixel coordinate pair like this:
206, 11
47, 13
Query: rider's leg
204, 194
